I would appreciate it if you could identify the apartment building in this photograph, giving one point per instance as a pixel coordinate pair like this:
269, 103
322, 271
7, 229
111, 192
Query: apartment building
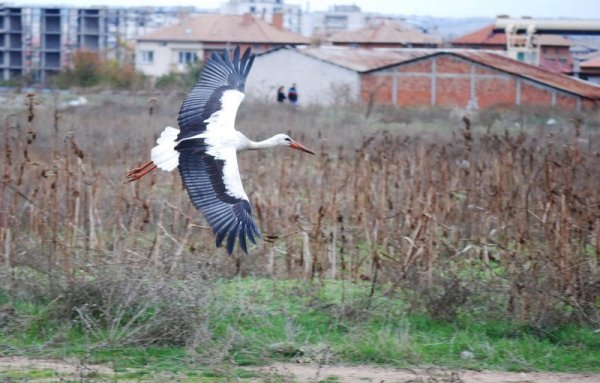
267, 10
37, 42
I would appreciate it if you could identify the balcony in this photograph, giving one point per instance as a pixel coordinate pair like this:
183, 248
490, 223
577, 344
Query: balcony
15, 41
15, 59
51, 42
51, 24
51, 61
15, 23
89, 42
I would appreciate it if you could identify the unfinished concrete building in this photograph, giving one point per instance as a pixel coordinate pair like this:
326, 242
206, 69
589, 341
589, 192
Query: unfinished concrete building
36, 43
11, 43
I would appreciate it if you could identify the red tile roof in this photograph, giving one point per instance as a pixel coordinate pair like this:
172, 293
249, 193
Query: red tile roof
483, 36
487, 37
593, 63
225, 28
520, 69
385, 32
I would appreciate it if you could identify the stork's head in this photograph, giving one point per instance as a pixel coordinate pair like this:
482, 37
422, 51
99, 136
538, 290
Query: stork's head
285, 140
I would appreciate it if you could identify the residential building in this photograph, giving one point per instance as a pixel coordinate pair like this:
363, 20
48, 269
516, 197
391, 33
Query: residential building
271, 11
338, 18
552, 51
12, 36
38, 42
590, 69
173, 48
409, 77
384, 33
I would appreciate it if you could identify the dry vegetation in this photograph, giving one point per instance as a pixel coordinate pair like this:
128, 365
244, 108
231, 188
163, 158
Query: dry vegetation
494, 218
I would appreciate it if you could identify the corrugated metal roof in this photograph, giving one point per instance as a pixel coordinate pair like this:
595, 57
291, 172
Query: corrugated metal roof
384, 32
487, 36
552, 41
364, 60
225, 28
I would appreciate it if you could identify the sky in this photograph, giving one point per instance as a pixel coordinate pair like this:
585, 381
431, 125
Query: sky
586, 9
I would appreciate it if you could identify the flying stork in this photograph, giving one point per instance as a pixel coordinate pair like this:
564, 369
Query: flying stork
205, 145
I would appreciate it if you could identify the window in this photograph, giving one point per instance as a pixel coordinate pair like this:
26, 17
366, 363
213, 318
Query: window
186, 57
336, 22
147, 57
210, 52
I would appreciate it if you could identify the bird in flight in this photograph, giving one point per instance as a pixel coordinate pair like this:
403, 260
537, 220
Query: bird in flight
205, 145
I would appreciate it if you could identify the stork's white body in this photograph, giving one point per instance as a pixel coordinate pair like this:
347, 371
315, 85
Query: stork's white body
221, 138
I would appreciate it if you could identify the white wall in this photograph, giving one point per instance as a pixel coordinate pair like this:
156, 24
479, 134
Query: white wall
166, 57
316, 22
315, 80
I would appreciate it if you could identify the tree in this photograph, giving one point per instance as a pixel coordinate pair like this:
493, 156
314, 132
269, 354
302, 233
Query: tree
180, 81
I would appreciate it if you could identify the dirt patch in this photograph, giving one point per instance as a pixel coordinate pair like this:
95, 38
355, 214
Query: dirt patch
294, 372
365, 374
69, 367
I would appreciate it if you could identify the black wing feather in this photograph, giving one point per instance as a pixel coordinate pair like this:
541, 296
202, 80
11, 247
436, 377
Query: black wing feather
228, 216
220, 73
202, 175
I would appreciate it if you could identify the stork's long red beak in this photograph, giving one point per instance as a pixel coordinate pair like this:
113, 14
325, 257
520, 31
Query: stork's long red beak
299, 146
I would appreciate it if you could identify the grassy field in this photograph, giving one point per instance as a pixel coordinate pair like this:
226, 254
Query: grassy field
412, 238
247, 322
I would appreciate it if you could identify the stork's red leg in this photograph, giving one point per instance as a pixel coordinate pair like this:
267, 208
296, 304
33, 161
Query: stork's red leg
141, 171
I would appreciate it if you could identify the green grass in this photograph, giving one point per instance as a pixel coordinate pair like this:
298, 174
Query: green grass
249, 320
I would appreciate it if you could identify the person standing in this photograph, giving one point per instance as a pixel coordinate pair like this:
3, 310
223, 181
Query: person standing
293, 94
281, 94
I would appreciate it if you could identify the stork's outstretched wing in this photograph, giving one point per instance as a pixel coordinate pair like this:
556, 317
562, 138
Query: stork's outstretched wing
220, 74
204, 178
207, 150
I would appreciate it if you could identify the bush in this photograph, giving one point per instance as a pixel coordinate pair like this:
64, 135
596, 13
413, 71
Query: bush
180, 81
89, 69
116, 306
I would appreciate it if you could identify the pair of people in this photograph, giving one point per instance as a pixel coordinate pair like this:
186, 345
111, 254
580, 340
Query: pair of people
292, 94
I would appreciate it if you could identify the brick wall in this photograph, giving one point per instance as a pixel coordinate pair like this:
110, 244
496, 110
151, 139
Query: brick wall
450, 81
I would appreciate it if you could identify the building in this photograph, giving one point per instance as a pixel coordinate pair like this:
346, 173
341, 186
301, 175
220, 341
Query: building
450, 78
552, 51
173, 48
12, 36
338, 18
385, 33
38, 42
291, 14
590, 70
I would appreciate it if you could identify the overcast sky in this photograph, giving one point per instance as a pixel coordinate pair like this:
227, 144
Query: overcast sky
441, 8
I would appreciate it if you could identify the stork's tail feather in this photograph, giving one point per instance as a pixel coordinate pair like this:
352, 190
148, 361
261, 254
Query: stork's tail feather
164, 154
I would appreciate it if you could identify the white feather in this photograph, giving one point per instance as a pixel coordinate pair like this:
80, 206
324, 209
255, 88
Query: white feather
164, 155
223, 141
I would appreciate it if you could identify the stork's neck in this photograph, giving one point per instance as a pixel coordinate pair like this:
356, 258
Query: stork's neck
248, 144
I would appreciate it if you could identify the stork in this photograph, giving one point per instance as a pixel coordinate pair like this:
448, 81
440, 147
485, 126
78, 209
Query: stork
205, 145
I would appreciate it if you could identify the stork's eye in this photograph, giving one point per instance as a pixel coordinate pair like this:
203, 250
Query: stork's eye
288, 139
